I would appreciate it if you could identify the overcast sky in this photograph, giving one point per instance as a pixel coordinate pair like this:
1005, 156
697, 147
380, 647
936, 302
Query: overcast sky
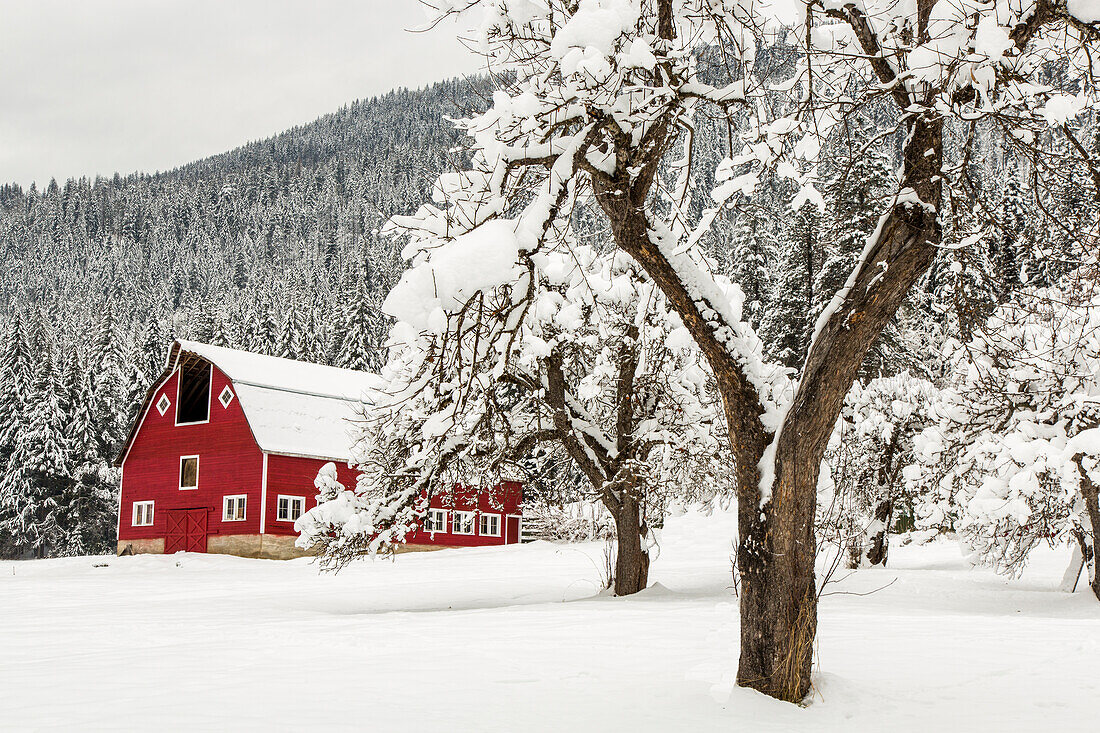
98, 86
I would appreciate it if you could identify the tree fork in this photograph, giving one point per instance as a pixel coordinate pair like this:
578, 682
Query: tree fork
777, 546
779, 662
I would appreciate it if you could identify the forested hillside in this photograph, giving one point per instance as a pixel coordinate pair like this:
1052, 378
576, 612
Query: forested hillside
273, 247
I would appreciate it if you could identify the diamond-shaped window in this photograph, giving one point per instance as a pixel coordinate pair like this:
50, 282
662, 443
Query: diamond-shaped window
226, 397
163, 404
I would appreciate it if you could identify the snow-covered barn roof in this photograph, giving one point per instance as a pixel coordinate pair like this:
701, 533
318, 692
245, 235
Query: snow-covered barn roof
293, 407
273, 372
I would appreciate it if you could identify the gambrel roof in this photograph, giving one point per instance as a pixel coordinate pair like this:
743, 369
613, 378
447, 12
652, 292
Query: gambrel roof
293, 407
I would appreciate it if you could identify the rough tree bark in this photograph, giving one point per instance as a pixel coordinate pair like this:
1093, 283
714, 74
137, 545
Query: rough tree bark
614, 477
1091, 493
631, 555
878, 547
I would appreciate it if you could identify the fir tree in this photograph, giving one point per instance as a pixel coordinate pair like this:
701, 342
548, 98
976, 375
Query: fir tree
1011, 246
753, 250
264, 331
15, 382
361, 326
290, 335
786, 323
37, 470
854, 202
855, 199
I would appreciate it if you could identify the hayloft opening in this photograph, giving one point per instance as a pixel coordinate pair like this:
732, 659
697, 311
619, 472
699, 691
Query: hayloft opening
194, 391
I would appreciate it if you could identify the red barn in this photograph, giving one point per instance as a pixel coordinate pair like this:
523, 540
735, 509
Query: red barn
227, 444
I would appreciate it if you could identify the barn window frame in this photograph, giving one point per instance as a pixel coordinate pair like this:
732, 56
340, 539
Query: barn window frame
226, 397
240, 506
435, 521
291, 500
463, 523
146, 516
196, 486
163, 404
209, 393
481, 524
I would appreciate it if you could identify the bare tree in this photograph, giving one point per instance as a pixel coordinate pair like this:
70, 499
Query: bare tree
593, 370
600, 100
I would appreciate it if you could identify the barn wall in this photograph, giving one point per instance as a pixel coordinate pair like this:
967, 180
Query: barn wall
230, 463
281, 547
141, 547
505, 499
293, 476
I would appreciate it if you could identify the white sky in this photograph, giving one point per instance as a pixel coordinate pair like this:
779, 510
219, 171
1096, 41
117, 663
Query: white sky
98, 86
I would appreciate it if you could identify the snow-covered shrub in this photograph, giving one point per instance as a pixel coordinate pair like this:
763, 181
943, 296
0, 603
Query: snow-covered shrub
1016, 447
578, 521
871, 445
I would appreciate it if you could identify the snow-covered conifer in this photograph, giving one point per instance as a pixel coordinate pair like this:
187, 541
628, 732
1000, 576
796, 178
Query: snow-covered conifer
37, 469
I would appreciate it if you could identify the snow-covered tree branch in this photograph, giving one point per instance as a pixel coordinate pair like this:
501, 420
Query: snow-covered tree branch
1015, 446
603, 93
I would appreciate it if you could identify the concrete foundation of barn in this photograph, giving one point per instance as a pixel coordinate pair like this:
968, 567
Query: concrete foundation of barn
266, 546
270, 546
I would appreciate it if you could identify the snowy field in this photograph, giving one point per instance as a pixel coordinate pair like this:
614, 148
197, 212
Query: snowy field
514, 639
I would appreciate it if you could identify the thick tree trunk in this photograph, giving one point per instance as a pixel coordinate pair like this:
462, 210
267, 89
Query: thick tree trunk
879, 542
777, 548
779, 592
779, 603
631, 554
612, 473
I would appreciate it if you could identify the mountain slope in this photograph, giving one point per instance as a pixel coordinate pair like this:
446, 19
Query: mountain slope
272, 247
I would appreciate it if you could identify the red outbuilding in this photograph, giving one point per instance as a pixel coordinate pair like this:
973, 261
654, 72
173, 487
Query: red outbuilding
227, 444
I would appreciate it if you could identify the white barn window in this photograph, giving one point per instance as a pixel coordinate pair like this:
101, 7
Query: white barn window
490, 525
290, 508
233, 508
436, 521
143, 514
463, 523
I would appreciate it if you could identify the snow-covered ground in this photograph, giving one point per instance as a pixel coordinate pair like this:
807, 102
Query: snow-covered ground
515, 639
